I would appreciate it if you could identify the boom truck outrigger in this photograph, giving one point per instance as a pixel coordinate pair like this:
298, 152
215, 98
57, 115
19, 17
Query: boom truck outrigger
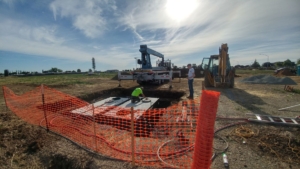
147, 73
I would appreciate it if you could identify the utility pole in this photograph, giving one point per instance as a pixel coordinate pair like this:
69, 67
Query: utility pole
93, 64
136, 62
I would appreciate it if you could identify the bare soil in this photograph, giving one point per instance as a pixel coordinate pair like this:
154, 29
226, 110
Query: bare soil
251, 145
285, 72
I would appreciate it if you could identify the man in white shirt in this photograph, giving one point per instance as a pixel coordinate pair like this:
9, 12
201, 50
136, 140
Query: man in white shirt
190, 77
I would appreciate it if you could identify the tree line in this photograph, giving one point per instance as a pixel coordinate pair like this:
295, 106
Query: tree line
286, 63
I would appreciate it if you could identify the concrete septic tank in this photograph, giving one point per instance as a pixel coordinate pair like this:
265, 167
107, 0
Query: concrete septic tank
116, 111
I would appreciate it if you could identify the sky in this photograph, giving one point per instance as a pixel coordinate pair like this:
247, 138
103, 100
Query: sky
37, 35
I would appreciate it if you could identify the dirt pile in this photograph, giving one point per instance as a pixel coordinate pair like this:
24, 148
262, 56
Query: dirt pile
285, 72
267, 79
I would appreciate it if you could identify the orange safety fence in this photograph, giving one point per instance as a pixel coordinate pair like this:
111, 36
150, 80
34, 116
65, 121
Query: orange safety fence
162, 137
207, 117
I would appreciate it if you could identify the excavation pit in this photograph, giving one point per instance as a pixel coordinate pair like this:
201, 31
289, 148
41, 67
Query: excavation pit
113, 107
166, 97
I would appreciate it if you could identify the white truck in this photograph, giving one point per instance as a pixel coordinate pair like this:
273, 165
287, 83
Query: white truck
148, 74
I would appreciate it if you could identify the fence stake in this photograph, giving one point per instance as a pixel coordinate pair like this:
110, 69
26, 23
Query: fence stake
132, 137
94, 126
43, 99
4, 99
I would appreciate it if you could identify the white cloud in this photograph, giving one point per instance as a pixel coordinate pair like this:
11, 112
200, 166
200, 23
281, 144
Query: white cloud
249, 28
90, 25
20, 29
86, 15
245, 24
10, 3
42, 41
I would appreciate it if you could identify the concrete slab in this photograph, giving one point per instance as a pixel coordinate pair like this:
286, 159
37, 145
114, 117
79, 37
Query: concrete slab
139, 108
111, 106
111, 101
142, 105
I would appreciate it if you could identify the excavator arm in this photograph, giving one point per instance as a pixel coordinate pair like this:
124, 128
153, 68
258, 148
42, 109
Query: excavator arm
217, 69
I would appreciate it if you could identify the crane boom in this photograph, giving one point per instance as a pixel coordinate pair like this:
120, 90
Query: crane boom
147, 73
145, 56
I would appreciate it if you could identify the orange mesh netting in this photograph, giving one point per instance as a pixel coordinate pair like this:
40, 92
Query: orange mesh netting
162, 137
207, 116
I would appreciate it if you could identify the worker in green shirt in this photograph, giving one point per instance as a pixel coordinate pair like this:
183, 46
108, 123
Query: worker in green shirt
136, 93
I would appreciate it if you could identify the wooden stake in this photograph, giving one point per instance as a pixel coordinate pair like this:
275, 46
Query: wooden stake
43, 100
132, 138
4, 98
94, 127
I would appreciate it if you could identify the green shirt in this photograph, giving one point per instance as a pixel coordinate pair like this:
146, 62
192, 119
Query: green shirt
137, 92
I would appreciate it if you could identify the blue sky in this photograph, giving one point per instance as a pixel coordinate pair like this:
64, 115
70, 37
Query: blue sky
36, 35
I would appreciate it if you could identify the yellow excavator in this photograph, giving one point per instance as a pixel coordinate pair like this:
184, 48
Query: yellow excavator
217, 69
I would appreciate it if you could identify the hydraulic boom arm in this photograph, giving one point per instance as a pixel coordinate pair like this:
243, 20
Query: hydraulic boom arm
145, 56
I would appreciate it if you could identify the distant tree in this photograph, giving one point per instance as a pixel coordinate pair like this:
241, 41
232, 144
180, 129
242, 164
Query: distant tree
255, 64
288, 63
298, 61
183, 67
6, 72
90, 70
175, 67
194, 65
78, 71
23, 72
94, 65
293, 64
267, 64
279, 64
54, 69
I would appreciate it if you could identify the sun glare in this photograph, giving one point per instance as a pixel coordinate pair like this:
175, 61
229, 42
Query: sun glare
179, 10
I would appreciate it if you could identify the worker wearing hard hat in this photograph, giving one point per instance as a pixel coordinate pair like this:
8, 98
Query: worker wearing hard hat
136, 93
190, 77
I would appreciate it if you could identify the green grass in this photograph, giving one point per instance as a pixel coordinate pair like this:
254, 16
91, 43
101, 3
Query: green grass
296, 91
254, 72
64, 79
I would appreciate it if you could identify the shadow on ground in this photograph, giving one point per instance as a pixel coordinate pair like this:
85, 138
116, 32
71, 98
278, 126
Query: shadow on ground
243, 98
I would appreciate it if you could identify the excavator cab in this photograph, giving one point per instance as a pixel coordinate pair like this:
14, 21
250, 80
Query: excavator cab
217, 69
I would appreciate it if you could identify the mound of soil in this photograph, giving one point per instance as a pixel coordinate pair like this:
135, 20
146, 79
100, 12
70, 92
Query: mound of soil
285, 72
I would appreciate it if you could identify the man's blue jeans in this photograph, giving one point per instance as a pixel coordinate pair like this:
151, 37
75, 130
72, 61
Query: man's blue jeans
190, 81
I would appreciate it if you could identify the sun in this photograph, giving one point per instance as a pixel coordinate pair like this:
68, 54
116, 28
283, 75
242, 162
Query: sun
179, 10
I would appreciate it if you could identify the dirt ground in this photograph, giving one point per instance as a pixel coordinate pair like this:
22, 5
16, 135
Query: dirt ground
251, 145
